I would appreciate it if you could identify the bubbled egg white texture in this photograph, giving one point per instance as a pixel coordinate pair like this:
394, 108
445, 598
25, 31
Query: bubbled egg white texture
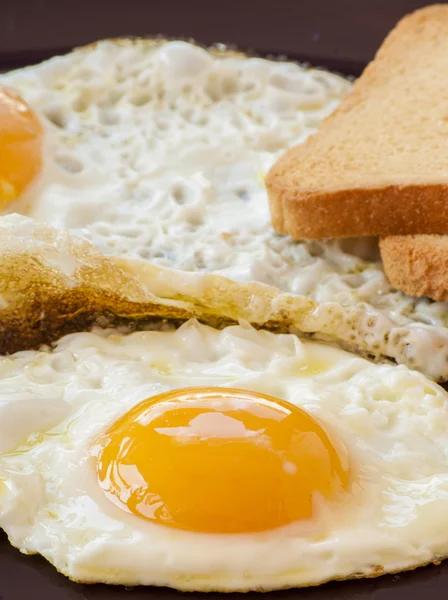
162, 148
158, 150
391, 421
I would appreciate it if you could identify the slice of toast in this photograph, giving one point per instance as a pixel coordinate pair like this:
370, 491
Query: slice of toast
379, 164
417, 264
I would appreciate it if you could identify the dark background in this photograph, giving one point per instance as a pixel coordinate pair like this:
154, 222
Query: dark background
341, 34
338, 34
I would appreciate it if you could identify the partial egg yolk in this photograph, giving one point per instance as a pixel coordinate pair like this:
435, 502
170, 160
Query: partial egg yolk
21, 138
218, 460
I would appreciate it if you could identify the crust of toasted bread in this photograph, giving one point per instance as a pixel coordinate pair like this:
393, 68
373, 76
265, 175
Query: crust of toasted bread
362, 212
377, 165
417, 264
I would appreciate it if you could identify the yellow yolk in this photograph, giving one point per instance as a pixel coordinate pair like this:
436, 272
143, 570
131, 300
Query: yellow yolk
218, 460
21, 137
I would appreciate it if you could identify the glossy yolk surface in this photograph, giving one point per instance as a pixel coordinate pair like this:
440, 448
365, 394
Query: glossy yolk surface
21, 138
218, 460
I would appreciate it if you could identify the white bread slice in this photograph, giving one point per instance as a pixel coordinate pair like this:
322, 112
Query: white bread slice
379, 164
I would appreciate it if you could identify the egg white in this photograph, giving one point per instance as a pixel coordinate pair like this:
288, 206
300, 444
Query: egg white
158, 150
392, 422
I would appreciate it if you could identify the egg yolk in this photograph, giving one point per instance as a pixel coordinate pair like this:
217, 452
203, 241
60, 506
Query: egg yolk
218, 460
21, 138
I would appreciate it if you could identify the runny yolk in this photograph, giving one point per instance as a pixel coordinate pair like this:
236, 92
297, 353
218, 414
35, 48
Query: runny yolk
218, 460
21, 136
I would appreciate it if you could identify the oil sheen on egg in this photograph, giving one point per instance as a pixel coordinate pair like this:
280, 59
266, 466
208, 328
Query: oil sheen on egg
220, 460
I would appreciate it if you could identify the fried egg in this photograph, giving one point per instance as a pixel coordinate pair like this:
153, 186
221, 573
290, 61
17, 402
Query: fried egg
224, 460
158, 150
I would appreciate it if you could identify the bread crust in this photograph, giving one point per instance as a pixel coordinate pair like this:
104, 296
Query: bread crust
351, 180
392, 210
417, 264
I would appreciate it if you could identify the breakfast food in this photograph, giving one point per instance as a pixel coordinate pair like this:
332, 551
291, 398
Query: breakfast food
417, 264
53, 283
79, 421
203, 452
377, 165
159, 150
150, 159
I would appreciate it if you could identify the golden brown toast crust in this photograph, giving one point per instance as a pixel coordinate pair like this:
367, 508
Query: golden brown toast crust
360, 212
417, 264
364, 172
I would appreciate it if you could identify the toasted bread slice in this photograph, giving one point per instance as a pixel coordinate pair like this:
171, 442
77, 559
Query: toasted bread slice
417, 264
379, 164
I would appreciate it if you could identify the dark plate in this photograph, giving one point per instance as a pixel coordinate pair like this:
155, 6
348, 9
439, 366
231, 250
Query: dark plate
338, 34
32, 578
